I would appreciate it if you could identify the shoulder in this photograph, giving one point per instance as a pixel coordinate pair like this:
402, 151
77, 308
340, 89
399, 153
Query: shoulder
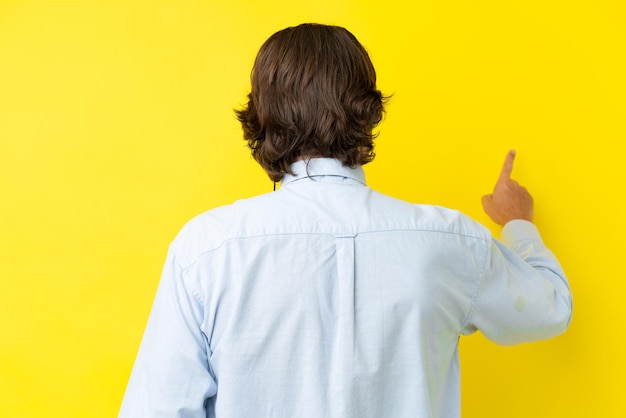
454, 221
207, 231
431, 218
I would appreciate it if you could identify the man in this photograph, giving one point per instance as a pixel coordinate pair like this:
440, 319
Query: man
326, 298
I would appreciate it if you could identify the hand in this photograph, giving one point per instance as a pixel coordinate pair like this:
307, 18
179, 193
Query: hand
509, 200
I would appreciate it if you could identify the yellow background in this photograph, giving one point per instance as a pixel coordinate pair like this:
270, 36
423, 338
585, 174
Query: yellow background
116, 127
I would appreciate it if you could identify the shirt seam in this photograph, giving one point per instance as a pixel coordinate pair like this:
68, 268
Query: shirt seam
223, 242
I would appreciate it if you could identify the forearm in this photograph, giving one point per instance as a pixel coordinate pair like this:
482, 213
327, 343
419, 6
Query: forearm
523, 295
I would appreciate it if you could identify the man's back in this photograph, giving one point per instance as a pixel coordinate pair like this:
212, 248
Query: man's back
328, 299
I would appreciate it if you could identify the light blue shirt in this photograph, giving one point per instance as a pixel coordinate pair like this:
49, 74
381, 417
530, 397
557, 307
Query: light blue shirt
328, 299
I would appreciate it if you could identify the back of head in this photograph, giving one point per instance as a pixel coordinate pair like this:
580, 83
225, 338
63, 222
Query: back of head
313, 95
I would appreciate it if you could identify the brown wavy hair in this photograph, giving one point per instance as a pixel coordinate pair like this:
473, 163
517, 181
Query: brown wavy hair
313, 95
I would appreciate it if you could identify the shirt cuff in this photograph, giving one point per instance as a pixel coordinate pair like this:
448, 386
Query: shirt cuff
519, 230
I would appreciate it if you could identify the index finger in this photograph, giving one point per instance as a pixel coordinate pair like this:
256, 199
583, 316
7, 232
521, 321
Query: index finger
507, 168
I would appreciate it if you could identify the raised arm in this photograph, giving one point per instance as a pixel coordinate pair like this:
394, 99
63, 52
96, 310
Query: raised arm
523, 294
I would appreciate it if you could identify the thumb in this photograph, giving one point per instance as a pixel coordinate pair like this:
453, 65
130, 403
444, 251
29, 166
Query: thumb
488, 206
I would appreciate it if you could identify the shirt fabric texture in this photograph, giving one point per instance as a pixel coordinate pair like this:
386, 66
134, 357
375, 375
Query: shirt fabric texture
329, 299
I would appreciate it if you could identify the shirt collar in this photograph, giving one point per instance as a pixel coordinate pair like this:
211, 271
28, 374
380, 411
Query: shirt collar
323, 167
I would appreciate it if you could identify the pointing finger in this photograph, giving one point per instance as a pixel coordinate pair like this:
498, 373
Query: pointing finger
507, 168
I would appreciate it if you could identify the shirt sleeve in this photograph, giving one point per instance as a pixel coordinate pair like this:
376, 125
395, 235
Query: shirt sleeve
171, 376
523, 294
